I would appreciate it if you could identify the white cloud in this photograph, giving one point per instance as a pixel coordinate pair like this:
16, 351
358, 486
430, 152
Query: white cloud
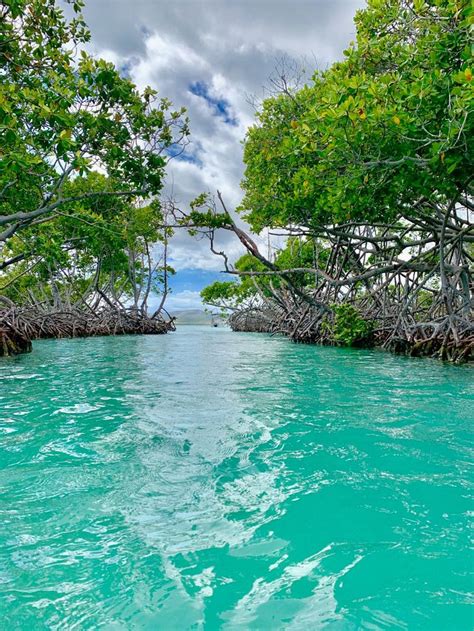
182, 300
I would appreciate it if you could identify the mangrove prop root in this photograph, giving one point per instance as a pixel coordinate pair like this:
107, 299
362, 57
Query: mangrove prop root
12, 343
20, 325
434, 339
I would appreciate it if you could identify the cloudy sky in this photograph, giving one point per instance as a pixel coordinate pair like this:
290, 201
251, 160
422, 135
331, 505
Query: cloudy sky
211, 56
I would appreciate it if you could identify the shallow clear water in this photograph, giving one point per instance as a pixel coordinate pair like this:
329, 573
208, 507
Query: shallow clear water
212, 480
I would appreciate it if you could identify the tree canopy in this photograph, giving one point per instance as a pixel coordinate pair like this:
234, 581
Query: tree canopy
384, 134
371, 163
83, 155
64, 113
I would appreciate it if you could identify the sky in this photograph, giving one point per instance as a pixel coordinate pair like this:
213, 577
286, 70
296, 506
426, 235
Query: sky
214, 57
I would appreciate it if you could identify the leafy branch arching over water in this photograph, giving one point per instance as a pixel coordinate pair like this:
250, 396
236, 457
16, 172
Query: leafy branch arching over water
371, 168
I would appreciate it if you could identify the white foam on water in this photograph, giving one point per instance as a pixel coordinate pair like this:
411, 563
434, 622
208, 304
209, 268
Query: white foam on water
79, 408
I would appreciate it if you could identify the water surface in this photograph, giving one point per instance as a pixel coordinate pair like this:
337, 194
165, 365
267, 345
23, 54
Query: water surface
212, 480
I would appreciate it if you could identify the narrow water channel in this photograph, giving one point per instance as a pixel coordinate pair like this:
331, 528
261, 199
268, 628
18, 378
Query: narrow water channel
212, 480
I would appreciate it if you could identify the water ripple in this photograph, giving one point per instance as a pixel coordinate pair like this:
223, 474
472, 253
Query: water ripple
210, 480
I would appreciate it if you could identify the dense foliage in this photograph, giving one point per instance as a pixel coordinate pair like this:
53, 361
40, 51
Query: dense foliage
64, 113
82, 161
385, 134
98, 243
372, 164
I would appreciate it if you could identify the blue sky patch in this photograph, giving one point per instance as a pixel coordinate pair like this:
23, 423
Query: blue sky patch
195, 279
185, 155
220, 107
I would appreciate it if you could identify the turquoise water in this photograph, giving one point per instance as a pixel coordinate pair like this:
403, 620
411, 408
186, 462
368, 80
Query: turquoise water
213, 480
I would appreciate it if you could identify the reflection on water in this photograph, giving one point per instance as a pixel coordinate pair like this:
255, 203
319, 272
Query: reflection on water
210, 480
